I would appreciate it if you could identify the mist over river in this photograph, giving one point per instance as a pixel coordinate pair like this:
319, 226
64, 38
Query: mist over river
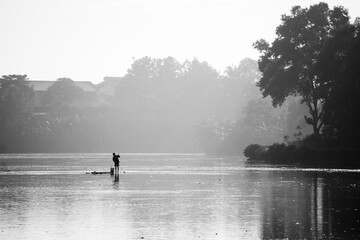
173, 196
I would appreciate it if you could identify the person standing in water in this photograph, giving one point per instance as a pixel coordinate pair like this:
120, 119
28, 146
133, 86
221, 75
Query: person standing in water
116, 161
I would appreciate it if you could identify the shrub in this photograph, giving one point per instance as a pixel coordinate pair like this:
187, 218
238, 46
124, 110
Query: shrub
277, 152
289, 152
305, 154
254, 151
312, 140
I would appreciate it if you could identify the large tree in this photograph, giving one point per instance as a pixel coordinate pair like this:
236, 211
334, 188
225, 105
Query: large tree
15, 98
239, 85
15, 105
289, 63
340, 64
62, 94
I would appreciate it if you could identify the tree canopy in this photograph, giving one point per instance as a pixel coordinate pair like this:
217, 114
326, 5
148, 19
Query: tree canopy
62, 94
15, 98
289, 63
15, 105
340, 67
159, 105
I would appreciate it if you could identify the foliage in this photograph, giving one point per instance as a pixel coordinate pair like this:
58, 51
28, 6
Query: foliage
165, 99
213, 133
239, 86
289, 63
295, 121
15, 100
276, 151
15, 95
309, 156
254, 151
150, 87
266, 123
62, 94
340, 64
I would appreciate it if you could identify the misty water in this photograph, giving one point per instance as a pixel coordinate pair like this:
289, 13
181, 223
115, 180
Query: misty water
162, 196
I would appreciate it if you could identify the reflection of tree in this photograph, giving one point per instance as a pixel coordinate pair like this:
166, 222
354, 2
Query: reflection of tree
311, 207
293, 208
341, 200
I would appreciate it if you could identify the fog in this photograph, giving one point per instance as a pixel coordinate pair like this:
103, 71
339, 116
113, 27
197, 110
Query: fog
160, 105
121, 76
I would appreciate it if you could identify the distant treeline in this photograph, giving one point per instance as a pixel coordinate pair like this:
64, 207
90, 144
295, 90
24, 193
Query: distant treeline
160, 105
305, 82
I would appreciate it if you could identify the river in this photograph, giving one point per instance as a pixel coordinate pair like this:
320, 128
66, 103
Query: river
173, 196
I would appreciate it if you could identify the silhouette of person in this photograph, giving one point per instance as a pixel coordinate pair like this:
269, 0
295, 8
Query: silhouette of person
116, 161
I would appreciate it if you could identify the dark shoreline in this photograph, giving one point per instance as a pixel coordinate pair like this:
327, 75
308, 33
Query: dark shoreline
307, 157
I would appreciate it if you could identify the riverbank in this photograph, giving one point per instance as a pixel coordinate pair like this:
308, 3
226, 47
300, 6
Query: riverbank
304, 155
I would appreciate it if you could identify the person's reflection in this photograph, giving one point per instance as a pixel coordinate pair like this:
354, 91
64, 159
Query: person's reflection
116, 180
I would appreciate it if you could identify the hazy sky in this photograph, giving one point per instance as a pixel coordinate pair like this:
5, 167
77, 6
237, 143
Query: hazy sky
87, 40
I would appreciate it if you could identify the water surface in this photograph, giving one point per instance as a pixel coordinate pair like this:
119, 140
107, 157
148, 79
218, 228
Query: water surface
161, 196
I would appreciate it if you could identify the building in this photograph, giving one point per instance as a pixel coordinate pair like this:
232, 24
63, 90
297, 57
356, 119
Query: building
107, 87
91, 98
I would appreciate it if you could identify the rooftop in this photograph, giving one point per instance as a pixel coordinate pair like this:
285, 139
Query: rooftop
40, 85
